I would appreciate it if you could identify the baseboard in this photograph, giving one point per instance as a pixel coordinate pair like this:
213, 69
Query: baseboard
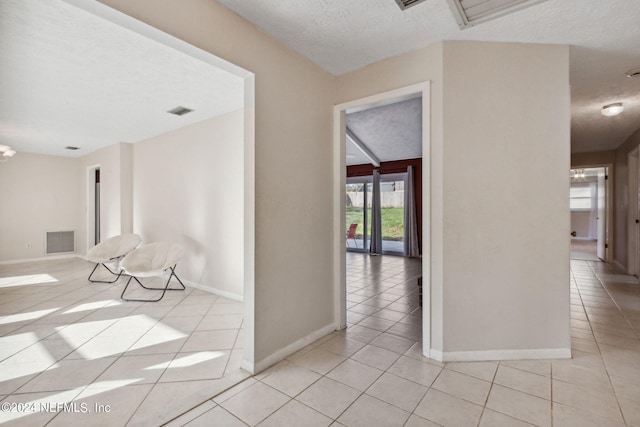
39, 259
621, 267
213, 290
257, 367
486, 355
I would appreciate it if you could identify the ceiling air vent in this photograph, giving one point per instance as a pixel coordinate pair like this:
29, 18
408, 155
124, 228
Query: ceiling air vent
472, 12
71, 147
405, 4
180, 111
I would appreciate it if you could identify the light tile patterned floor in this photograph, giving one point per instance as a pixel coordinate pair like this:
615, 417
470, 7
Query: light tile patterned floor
373, 373
65, 340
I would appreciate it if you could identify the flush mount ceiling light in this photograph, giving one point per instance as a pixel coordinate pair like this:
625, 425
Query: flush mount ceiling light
635, 72
472, 12
6, 152
612, 109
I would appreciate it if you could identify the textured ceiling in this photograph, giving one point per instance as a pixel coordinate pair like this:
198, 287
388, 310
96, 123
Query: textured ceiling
342, 36
391, 132
71, 78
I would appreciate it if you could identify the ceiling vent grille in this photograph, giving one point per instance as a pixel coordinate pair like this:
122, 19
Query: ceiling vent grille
71, 147
180, 111
472, 12
405, 4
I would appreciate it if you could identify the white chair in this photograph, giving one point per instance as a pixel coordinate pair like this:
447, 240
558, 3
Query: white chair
111, 251
151, 260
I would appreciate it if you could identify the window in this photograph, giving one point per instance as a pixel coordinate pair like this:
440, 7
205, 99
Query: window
581, 196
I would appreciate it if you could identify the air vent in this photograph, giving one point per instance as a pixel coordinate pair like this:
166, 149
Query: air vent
180, 111
472, 12
60, 242
405, 4
71, 147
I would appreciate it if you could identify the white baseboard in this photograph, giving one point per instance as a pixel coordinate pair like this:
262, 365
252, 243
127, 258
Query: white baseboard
213, 290
39, 259
486, 355
257, 367
621, 267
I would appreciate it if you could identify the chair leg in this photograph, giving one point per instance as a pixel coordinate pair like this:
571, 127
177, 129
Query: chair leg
104, 281
164, 289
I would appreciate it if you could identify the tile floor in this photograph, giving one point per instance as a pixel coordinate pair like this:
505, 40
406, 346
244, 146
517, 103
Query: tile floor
64, 340
373, 373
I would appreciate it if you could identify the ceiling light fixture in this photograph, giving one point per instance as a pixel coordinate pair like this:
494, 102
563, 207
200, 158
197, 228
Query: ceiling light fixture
6, 152
633, 72
612, 109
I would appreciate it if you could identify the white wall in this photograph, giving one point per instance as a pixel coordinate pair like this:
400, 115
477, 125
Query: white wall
38, 193
188, 188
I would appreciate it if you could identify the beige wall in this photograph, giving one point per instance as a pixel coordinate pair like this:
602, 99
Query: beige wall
115, 192
622, 197
506, 160
38, 193
293, 119
487, 287
188, 188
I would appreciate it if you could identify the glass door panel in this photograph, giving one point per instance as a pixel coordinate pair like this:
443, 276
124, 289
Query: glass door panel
356, 215
392, 213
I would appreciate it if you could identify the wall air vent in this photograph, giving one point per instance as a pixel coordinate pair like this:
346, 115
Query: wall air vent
60, 242
405, 4
180, 111
71, 147
471, 12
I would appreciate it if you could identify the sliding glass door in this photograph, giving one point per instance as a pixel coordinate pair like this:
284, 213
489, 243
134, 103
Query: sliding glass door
392, 212
358, 212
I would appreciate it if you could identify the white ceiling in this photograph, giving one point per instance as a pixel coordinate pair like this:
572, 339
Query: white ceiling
71, 78
342, 36
390, 132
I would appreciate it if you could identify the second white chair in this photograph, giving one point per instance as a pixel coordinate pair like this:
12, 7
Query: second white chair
152, 260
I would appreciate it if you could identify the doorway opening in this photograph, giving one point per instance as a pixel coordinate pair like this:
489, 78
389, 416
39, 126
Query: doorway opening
357, 204
589, 202
93, 206
633, 216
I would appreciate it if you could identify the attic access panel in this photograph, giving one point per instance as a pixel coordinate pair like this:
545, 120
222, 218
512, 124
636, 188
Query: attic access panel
472, 12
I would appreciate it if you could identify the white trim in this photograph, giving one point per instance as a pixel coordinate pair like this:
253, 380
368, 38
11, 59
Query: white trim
212, 290
339, 180
485, 355
273, 358
45, 258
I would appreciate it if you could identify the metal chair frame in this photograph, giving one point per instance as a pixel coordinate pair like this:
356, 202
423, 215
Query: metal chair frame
164, 289
108, 269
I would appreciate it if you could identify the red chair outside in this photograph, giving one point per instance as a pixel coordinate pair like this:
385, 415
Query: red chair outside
352, 234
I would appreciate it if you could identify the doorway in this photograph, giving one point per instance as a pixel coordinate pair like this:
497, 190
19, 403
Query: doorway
589, 202
340, 187
93, 206
633, 216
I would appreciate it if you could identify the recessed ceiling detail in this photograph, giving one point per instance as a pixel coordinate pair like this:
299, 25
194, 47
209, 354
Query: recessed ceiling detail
404, 4
472, 12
